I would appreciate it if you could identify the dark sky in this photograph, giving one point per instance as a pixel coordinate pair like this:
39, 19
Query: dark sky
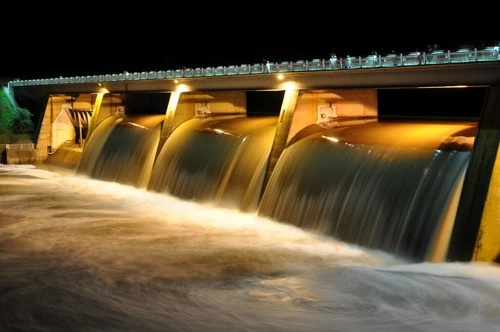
87, 40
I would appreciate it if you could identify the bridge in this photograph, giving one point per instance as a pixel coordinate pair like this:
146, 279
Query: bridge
346, 88
470, 67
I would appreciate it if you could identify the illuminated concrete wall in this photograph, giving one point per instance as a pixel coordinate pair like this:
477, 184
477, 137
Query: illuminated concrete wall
65, 158
53, 109
488, 240
62, 130
191, 104
353, 103
56, 128
18, 154
112, 103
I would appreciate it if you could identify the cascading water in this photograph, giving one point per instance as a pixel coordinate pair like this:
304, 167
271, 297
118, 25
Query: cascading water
217, 161
384, 186
122, 150
384, 198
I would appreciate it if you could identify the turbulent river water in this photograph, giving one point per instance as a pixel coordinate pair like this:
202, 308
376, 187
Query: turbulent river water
79, 254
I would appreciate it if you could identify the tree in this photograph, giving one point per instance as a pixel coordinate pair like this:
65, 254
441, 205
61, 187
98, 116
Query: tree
21, 122
14, 120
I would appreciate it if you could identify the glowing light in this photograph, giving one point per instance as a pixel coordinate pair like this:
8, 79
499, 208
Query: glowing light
331, 139
182, 88
137, 125
289, 85
220, 131
280, 77
444, 87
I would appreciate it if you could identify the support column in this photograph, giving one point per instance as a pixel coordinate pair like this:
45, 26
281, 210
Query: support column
168, 123
475, 233
487, 247
282, 131
95, 113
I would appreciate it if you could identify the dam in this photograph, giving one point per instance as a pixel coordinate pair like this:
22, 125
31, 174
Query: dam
307, 143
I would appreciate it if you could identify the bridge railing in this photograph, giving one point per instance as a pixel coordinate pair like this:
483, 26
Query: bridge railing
436, 57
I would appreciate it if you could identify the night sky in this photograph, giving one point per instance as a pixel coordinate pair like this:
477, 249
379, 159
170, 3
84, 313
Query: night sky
87, 39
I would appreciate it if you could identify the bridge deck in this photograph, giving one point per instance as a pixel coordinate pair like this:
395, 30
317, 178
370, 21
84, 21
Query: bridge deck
439, 68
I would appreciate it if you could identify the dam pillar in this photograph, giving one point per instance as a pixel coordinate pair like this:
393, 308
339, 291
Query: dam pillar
476, 232
282, 131
95, 113
169, 123
487, 248
44, 145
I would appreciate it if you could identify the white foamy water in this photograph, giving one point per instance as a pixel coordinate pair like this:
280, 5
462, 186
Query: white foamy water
83, 255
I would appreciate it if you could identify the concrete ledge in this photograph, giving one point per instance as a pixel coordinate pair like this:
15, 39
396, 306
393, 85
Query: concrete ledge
14, 156
67, 158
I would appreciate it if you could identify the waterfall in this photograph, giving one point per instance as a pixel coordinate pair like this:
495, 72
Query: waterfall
384, 198
385, 186
122, 150
217, 161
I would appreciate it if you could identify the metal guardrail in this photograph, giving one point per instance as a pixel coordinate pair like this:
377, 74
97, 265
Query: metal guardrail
436, 57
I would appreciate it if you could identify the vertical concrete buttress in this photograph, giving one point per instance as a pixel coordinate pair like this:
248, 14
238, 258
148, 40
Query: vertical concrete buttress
168, 122
282, 131
95, 113
476, 232
487, 248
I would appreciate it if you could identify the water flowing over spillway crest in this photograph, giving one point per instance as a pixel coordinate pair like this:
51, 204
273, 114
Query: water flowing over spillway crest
378, 185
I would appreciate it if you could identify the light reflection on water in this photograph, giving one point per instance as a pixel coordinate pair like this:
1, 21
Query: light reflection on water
86, 255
